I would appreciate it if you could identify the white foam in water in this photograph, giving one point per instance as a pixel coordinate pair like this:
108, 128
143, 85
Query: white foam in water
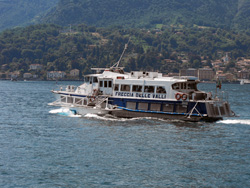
64, 112
91, 115
110, 117
55, 111
235, 121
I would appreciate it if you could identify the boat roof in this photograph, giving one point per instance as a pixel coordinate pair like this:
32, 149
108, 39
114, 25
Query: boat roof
153, 76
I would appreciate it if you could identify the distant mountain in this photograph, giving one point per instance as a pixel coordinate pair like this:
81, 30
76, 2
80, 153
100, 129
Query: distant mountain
22, 12
241, 19
147, 13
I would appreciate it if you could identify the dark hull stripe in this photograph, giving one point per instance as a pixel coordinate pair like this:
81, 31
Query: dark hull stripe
159, 112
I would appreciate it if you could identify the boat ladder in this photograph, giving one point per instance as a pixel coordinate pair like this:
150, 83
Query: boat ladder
98, 105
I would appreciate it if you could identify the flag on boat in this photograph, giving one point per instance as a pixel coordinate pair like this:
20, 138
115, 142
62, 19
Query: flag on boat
218, 84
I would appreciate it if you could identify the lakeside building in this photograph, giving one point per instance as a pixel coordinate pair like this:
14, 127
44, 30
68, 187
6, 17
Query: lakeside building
230, 77
4, 67
171, 74
203, 73
27, 75
14, 75
51, 75
74, 73
189, 72
206, 74
36, 67
221, 77
243, 74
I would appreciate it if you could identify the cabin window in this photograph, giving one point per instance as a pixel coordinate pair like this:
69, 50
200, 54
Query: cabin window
86, 79
183, 85
125, 87
131, 105
191, 86
160, 89
101, 84
142, 106
149, 89
116, 87
155, 107
137, 88
176, 86
168, 107
109, 83
105, 83
95, 80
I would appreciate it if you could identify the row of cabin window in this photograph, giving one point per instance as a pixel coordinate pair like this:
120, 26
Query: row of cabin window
105, 83
184, 85
138, 88
91, 79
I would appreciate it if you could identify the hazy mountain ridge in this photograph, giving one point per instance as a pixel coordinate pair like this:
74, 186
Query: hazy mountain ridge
146, 13
241, 19
227, 14
21, 12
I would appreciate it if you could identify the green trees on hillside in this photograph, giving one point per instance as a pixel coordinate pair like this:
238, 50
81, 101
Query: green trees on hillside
22, 12
149, 13
169, 50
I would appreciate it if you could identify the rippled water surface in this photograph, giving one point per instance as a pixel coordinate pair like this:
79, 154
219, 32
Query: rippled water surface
42, 149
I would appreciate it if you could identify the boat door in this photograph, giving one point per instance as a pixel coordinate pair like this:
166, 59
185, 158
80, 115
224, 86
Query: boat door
106, 86
91, 83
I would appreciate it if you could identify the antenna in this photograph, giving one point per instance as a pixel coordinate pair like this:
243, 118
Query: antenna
125, 48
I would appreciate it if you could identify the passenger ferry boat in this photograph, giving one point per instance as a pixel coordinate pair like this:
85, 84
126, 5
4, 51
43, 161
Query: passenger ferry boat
143, 94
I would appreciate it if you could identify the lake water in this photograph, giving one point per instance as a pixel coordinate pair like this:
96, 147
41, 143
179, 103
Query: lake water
42, 149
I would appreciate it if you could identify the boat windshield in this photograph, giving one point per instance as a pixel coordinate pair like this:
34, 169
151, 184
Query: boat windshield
184, 85
90, 79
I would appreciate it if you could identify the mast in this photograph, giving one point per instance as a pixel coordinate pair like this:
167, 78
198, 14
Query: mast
118, 62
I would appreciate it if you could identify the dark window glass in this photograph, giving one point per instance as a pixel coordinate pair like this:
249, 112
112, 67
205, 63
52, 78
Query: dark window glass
149, 89
160, 90
101, 83
137, 88
110, 83
105, 83
95, 80
125, 87
116, 87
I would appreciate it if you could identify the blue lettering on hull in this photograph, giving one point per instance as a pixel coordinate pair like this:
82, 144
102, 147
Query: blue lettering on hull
141, 95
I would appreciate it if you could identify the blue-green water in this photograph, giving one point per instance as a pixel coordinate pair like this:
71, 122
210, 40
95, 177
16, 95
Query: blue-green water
40, 149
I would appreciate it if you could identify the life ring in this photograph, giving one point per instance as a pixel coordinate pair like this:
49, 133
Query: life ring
178, 96
184, 96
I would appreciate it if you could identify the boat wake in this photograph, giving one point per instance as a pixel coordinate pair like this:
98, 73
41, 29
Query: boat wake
236, 121
65, 112
110, 117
